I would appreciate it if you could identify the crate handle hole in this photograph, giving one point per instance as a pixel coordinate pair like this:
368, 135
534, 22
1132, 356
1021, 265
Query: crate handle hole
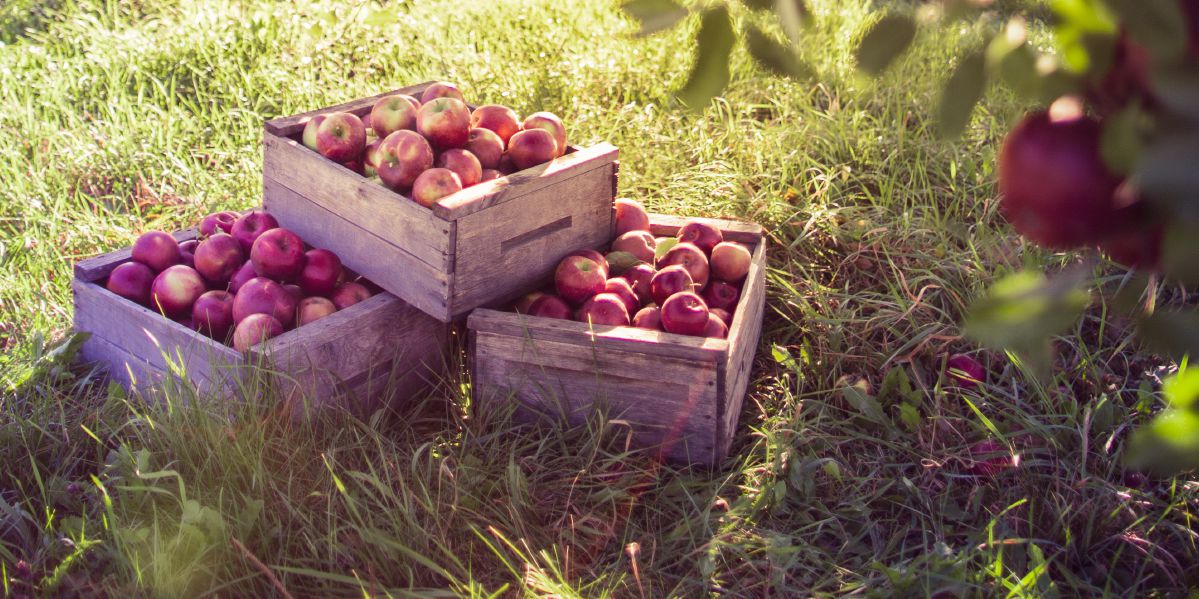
542, 231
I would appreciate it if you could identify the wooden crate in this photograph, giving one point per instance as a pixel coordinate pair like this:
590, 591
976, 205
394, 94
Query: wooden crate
380, 349
678, 393
487, 242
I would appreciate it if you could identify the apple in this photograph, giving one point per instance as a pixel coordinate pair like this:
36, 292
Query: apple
630, 216
250, 225
243, 274
310, 127
157, 250
730, 261
278, 254
550, 306
506, 166
463, 163
724, 315
217, 222
621, 288
594, 256
403, 156
716, 327
719, 294
175, 289
434, 184
524, 303
501, 120
704, 235
132, 281
187, 252
550, 123
212, 314
341, 137
321, 270
349, 294
603, 309
649, 317
392, 113
638, 243
219, 258
370, 158
254, 330
295, 292
486, 146
578, 278
685, 313
489, 174
965, 371
312, 309
639, 277
261, 295
669, 281
531, 147
445, 122
441, 89
357, 165
1137, 246
689, 256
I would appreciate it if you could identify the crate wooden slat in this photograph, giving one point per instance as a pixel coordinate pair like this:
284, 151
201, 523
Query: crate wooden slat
381, 349
483, 244
680, 394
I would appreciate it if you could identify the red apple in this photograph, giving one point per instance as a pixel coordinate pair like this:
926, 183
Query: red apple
489, 174
175, 289
965, 371
550, 306
445, 122
685, 313
703, 235
321, 270
523, 304
349, 294
531, 147
639, 276
716, 327
486, 146
630, 216
719, 294
312, 309
261, 295
441, 89
250, 225
594, 256
243, 274
254, 330
157, 250
621, 288
278, 254
296, 294
669, 281
434, 184
463, 163
131, 281
578, 278
603, 309
550, 123
689, 256
730, 261
371, 157
391, 114
218, 258
341, 137
187, 252
649, 317
310, 127
356, 165
217, 222
638, 243
212, 314
403, 156
501, 120
506, 166
724, 315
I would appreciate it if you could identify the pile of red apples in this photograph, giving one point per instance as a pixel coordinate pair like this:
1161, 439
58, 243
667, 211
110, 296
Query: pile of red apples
689, 284
243, 281
430, 148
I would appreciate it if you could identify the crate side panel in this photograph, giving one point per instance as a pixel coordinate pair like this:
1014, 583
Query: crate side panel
744, 335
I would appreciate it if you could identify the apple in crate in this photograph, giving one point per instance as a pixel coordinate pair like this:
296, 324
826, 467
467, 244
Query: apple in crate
669, 281
649, 317
463, 163
550, 306
716, 327
403, 156
278, 254
322, 269
685, 313
243, 274
250, 225
445, 122
501, 120
578, 278
434, 184
689, 256
531, 147
217, 222
187, 252
486, 146
705, 236
594, 256
261, 295
639, 276
622, 289
730, 261
212, 314
349, 294
218, 258
371, 157
525, 302
603, 309
175, 289
312, 309
630, 216
391, 114
308, 138
719, 294
550, 123
132, 281
156, 249
489, 174
254, 330
638, 243
724, 315
341, 137
441, 89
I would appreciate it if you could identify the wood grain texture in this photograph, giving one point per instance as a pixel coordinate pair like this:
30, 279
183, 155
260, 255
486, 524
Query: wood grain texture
131, 372
293, 125
744, 337
99, 267
376, 258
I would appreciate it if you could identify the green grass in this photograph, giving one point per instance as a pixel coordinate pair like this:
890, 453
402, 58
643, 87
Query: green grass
119, 117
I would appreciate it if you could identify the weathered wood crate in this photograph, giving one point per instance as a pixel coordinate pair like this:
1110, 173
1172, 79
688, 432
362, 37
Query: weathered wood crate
380, 349
677, 393
487, 242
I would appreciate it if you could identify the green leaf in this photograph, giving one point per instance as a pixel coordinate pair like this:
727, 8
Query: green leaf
1171, 332
886, 40
774, 56
961, 93
654, 15
1158, 25
909, 416
664, 247
1021, 311
1013, 60
857, 397
710, 73
1182, 390
1079, 24
1120, 144
794, 15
